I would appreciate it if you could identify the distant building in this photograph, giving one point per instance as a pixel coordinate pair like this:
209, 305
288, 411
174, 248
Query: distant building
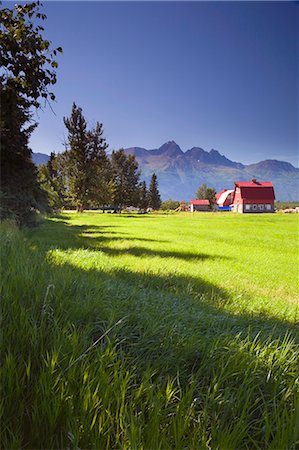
200, 205
253, 197
184, 206
224, 199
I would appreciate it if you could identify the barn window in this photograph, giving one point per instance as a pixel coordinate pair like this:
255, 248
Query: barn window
268, 207
261, 207
247, 207
254, 207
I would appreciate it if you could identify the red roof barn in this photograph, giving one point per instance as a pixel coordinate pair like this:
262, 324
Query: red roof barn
253, 196
200, 205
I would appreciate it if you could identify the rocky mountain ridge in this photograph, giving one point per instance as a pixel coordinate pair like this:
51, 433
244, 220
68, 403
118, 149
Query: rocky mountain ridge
181, 173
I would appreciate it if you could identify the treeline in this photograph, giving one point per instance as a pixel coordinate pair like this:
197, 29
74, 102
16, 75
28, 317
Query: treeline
85, 177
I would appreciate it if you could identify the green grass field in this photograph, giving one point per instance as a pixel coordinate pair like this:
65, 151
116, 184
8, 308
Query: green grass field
173, 331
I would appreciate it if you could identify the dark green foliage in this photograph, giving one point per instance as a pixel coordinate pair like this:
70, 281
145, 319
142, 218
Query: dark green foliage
21, 195
206, 193
170, 204
101, 186
154, 199
126, 179
143, 196
77, 158
28, 71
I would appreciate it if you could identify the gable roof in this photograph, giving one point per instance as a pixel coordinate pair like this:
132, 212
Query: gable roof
200, 202
253, 183
256, 191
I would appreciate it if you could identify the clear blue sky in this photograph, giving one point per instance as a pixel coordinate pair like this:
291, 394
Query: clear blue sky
209, 74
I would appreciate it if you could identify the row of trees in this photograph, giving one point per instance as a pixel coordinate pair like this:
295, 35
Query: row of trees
85, 177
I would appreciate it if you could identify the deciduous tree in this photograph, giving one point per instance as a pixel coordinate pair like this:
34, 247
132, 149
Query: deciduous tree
51, 180
206, 193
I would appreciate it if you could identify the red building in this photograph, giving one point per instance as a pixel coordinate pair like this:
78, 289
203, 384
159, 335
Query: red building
253, 196
200, 205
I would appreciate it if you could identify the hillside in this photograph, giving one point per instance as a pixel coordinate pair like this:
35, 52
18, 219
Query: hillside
40, 158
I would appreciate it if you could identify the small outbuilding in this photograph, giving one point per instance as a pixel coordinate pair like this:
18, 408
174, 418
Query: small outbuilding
253, 197
200, 205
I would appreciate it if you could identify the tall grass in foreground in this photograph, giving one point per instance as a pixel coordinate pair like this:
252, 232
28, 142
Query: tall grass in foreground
79, 369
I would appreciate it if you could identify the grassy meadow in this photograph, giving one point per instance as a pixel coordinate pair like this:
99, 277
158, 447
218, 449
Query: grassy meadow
160, 331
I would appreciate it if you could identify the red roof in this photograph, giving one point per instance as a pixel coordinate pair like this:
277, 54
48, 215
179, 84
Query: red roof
256, 191
253, 183
200, 202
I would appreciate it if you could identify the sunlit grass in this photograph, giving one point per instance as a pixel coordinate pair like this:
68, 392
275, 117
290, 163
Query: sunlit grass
160, 331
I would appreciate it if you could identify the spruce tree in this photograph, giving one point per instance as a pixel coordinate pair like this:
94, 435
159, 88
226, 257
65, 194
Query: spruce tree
143, 196
154, 199
87, 167
101, 186
126, 178
78, 158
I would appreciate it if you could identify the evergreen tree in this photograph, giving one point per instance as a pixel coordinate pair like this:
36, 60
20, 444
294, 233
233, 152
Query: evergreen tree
101, 185
154, 195
78, 158
51, 166
87, 168
27, 64
126, 179
143, 196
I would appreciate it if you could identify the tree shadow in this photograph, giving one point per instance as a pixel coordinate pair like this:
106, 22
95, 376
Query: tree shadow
94, 237
196, 293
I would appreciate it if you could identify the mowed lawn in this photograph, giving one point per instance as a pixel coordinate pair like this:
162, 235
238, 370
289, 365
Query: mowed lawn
151, 331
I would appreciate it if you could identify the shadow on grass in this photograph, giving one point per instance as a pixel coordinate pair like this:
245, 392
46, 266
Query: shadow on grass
204, 301
66, 236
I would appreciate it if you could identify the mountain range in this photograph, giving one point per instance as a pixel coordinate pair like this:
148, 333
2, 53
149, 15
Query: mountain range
181, 173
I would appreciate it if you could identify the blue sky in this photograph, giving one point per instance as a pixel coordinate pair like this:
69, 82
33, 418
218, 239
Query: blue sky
220, 75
